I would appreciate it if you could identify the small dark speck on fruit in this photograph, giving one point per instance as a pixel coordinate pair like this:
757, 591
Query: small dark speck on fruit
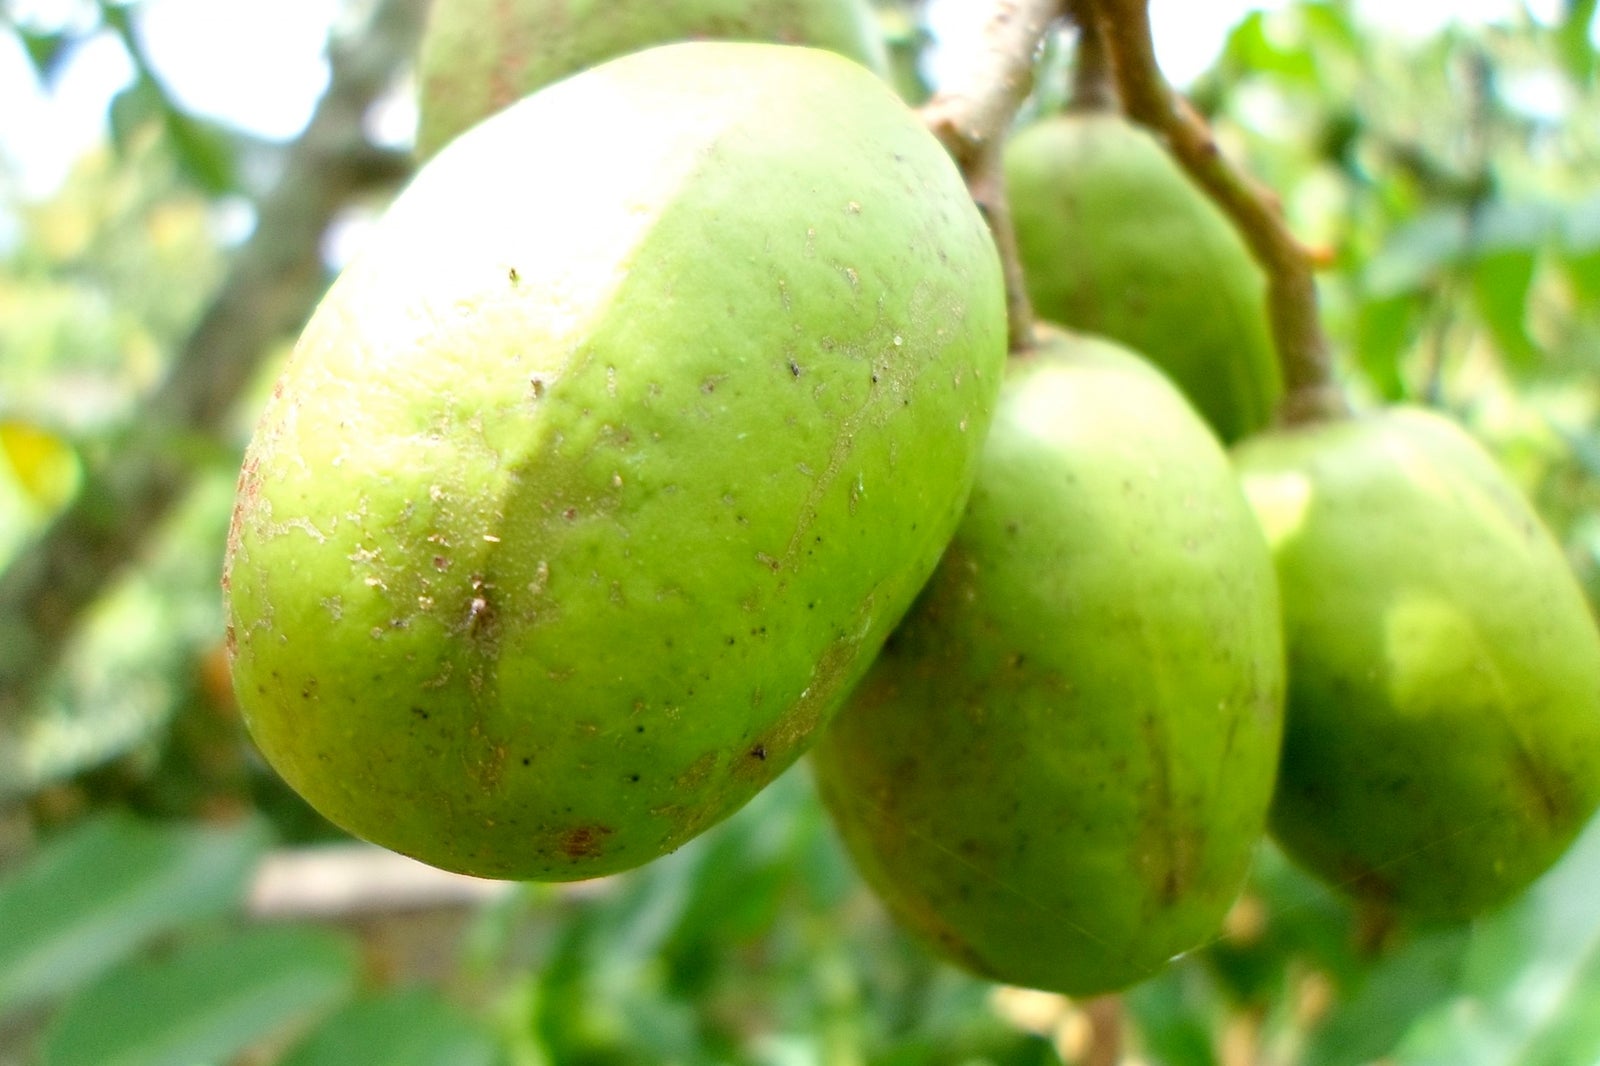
570, 513
634, 778
638, 729
420, 713
730, 642
513, 275
794, 368
759, 752
527, 761
441, 563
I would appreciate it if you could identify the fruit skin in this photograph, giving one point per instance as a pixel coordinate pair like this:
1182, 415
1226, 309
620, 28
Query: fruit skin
1057, 770
1443, 739
1115, 240
591, 488
479, 56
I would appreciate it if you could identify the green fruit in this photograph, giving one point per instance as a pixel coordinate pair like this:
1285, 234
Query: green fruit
1115, 240
478, 56
597, 480
1058, 768
1443, 738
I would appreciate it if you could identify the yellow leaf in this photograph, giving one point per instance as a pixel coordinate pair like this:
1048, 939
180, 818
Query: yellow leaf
44, 464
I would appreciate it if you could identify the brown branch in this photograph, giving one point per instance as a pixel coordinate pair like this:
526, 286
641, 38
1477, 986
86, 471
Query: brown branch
971, 117
271, 286
1310, 393
1094, 86
1105, 1031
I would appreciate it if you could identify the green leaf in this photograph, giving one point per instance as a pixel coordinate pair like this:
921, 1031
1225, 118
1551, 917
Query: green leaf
1385, 330
406, 1028
1501, 282
205, 1003
1573, 39
47, 52
203, 150
1403, 984
96, 894
1172, 1011
1580, 247
1252, 48
1505, 240
1530, 995
1415, 254
132, 109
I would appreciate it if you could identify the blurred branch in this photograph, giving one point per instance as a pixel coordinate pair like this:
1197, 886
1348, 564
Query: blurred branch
1094, 86
971, 116
350, 880
272, 284
1105, 1031
1310, 393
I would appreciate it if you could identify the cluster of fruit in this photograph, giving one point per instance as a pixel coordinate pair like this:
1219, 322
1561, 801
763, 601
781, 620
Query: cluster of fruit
667, 419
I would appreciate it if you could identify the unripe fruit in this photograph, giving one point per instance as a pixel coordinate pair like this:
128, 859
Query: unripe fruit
479, 56
1442, 746
597, 480
1115, 240
1057, 770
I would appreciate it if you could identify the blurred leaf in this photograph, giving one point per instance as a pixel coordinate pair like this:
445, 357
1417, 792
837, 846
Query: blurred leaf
1401, 985
206, 1002
1386, 329
202, 149
132, 109
1504, 242
47, 52
1574, 39
1580, 247
1417, 253
1530, 993
1501, 282
405, 1028
1251, 47
1522, 225
45, 465
97, 893
1173, 1011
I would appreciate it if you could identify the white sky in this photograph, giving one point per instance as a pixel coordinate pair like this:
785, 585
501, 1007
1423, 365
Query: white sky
258, 64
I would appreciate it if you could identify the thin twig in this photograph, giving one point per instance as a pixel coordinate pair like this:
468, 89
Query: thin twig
971, 116
1310, 393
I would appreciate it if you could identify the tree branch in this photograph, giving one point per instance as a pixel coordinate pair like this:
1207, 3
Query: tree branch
1310, 393
271, 287
971, 117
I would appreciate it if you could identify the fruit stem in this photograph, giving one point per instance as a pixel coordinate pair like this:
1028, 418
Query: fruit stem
1310, 392
971, 115
1094, 86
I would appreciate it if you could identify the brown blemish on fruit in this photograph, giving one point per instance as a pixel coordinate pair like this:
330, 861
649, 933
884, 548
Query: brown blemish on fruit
698, 771
585, 841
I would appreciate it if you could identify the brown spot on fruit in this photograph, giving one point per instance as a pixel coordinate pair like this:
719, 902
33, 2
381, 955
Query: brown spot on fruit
585, 841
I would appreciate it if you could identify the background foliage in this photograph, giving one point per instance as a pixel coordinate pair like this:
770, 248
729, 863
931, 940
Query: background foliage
1451, 184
